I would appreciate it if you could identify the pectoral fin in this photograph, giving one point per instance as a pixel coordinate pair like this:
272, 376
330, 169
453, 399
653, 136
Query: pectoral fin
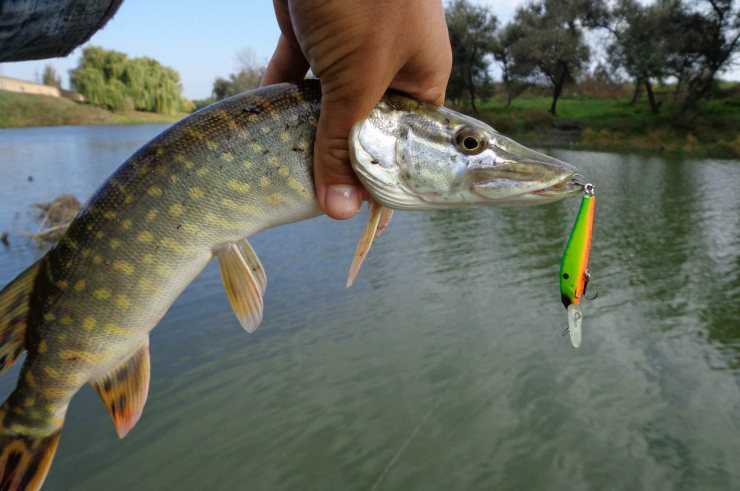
254, 263
376, 225
124, 390
243, 287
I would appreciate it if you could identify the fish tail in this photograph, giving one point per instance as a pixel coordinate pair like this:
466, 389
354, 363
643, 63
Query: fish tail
25, 460
15, 300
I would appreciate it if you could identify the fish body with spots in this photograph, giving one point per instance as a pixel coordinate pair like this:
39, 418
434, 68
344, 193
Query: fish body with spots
83, 312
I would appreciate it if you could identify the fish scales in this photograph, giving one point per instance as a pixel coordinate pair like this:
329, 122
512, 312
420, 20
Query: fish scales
219, 176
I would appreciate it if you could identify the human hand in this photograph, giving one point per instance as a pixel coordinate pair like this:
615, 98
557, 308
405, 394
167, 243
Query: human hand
358, 49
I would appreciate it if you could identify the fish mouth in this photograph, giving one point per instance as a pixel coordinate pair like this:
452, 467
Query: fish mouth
528, 189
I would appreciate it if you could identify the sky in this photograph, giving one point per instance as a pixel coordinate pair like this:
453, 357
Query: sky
200, 43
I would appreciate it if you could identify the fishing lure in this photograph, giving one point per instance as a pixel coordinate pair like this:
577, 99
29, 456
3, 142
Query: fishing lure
574, 273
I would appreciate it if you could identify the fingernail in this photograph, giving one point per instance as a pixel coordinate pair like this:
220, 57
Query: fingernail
342, 201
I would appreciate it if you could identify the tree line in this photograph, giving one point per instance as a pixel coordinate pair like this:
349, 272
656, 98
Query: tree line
687, 43
112, 80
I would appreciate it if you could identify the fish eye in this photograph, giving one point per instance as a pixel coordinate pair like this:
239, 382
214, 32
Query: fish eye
470, 141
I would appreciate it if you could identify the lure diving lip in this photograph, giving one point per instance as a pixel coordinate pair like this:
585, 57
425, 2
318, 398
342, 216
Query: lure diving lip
574, 274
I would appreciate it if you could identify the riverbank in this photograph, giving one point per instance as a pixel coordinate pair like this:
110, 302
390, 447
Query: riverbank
616, 125
24, 110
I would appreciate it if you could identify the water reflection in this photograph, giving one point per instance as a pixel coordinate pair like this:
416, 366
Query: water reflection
443, 368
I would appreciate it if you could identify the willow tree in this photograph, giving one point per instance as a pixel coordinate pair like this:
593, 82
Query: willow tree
112, 80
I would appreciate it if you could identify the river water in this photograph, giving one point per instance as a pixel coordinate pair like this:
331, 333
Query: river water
445, 366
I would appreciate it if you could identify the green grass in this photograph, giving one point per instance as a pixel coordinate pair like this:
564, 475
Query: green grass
22, 110
614, 124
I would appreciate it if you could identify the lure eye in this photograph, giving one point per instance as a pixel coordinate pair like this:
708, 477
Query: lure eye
471, 142
566, 276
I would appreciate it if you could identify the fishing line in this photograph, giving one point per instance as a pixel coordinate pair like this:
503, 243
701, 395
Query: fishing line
403, 446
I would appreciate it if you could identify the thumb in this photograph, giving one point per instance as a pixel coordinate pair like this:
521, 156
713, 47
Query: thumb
337, 188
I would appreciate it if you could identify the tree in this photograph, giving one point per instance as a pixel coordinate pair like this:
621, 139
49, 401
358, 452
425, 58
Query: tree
113, 80
641, 43
503, 47
551, 45
472, 31
707, 38
50, 77
248, 76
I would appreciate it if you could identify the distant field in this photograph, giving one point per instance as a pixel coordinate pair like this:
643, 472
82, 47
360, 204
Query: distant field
615, 124
22, 110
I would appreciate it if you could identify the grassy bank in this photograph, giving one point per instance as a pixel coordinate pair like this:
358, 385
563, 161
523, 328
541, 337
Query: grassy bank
22, 110
615, 124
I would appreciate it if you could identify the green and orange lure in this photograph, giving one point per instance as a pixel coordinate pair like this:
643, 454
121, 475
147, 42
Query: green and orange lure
574, 273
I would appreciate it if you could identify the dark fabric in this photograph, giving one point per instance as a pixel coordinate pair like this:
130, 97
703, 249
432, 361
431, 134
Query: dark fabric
36, 29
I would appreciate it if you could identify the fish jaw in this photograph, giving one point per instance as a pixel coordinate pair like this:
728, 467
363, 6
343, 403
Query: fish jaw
411, 155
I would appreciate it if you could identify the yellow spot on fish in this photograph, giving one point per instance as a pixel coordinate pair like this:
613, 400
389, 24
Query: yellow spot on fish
30, 401
196, 193
154, 191
273, 161
89, 323
71, 243
115, 329
128, 199
147, 259
173, 245
256, 147
66, 320
99, 235
241, 187
123, 266
202, 171
86, 252
145, 236
123, 302
276, 199
49, 317
152, 215
182, 160
145, 284
265, 181
80, 285
51, 372
211, 145
109, 215
295, 185
43, 347
285, 136
176, 210
248, 164
173, 178
62, 285
163, 270
265, 130
97, 260
126, 224
284, 171
159, 151
227, 156
30, 379
102, 294
115, 243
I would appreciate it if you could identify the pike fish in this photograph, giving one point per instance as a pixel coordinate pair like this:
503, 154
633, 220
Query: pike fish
82, 313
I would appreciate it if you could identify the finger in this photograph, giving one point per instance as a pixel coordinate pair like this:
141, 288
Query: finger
286, 65
337, 188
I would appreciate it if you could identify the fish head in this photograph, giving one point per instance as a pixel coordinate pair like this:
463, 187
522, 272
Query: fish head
415, 156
